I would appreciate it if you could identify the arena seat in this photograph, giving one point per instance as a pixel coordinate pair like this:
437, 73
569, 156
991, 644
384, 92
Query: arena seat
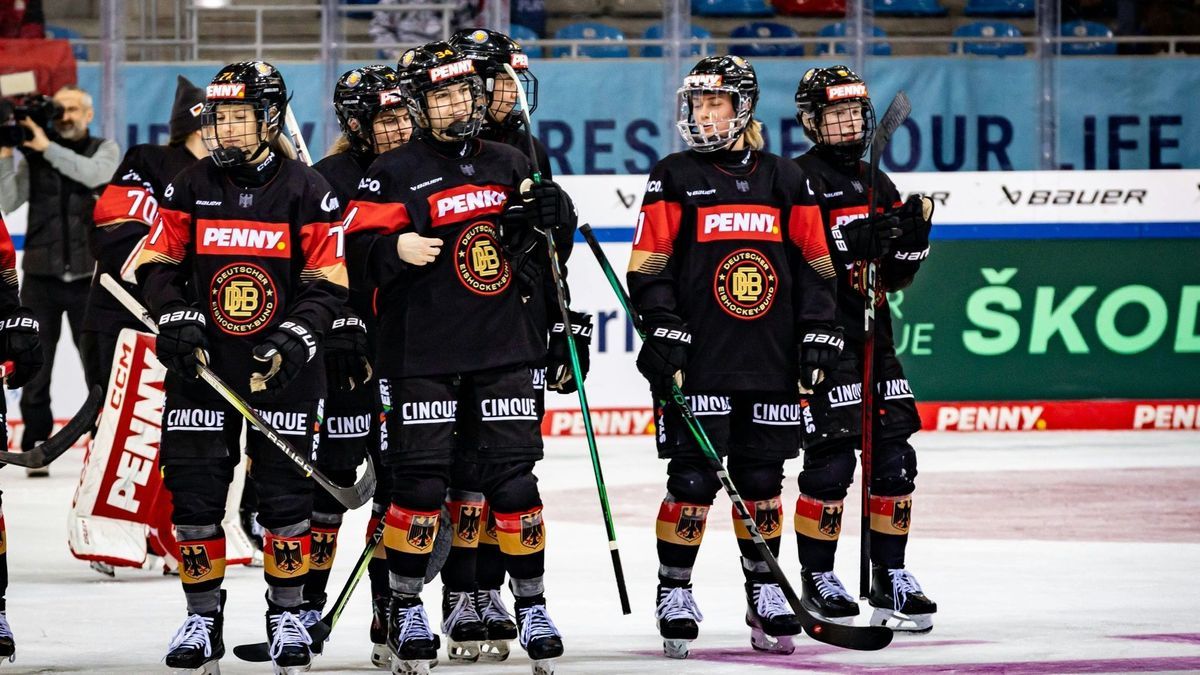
909, 8
732, 8
591, 30
764, 29
61, 33
1087, 29
810, 7
989, 29
999, 8
838, 30
635, 8
655, 32
522, 35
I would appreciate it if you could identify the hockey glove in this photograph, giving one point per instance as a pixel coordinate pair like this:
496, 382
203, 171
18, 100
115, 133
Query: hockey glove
548, 203
867, 238
664, 355
559, 375
347, 354
182, 343
521, 244
819, 352
19, 343
286, 350
915, 219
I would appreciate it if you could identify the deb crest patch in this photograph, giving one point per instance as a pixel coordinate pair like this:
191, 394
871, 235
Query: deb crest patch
745, 284
477, 259
242, 299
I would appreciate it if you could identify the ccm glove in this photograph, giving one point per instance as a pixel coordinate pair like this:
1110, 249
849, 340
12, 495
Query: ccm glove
915, 218
347, 354
286, 350
19, 343
182, 343
664, 355
819, 352
559, 375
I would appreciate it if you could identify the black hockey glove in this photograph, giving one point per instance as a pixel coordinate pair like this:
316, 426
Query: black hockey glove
915, 218
663, 356
521, 243
559, 376
287, 349
180, 334
819, 352
19, 343
867, 238
347, 353
549, 204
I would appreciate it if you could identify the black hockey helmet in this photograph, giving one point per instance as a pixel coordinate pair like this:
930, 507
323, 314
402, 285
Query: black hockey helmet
820, 88
731, 75
359, 96
434, 66
258, 84
491, 50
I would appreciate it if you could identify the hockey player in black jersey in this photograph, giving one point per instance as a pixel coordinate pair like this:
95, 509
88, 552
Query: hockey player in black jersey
373, 115
475, 567
455, 344
243, 270
835, 110
733, 281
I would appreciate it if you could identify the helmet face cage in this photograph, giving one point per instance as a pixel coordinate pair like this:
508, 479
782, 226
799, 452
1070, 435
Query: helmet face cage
371, 109
703, 135
428, 71
491, 50
826, 108
504, 106
428, 110
391, 128
259, 88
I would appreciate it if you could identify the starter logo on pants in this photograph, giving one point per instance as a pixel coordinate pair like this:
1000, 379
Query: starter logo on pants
745, 284
477, 258
242, 299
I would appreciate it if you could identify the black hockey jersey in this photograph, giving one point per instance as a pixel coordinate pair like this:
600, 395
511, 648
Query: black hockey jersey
841, 191
123, 215
344, 170
462, 312
731, 243
250, 258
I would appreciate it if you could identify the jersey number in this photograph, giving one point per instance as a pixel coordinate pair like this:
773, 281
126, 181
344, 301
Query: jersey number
145, 207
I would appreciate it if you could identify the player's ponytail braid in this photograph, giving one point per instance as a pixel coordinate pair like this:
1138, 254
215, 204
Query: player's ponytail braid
753, 135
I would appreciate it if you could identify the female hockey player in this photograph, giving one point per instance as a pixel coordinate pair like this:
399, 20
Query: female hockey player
474, 570
373, 115
833, 106
459, 344
243, 271
733, 282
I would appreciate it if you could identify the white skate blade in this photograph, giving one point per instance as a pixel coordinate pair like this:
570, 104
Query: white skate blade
843, 620
902, 623
209, 668
543, 667
771, 644
494, 650
381, 657
463, 652
676, 649
413, 667
291, 670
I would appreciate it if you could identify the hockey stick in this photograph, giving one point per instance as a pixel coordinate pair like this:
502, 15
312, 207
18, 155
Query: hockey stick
863, 638
576, 369
351, 497
293, 129
52, 448
895, 115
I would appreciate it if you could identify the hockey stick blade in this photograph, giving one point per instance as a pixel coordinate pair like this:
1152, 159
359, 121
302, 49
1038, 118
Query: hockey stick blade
52, 448
897, 111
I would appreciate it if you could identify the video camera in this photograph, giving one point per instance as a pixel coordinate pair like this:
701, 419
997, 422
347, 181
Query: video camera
40, 108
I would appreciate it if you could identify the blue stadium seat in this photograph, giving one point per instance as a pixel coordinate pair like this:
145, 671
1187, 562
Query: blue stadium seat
732, 8
590, 30
838, 30
764, 29
362, 16
1087, 29
909, 8
989, 29
655, 32
61, 33
522, 35
999, 7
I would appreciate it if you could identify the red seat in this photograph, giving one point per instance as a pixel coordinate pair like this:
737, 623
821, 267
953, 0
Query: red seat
811, 7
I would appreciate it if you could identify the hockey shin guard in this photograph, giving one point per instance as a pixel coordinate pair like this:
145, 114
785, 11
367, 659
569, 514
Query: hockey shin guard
408, 536
323, 549
818, 526
522, 537
890, 519
489, 561
768, 518
377, 569
680, 529
201, 565
466, 510
286, 560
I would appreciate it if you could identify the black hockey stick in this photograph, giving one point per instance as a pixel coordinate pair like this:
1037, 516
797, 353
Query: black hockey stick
895, 115
576, 370
52, 448
863, 638
351, 497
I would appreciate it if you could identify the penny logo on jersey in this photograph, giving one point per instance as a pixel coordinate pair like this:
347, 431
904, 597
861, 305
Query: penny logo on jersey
745, 284
477, 259
243, 299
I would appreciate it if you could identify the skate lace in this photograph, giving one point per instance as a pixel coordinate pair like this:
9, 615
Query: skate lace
903, 583
415, 624
289, 630
829, 586
770, 601
464, 611
192, 634
679, 603
535, 623
494, 609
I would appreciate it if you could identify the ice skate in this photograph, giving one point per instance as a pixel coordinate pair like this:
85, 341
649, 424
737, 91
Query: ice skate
381, 656
289, 640
412, 644
197, 647
823, 595
538, 635
461, 625
8, 646
501, 628
678, 619
772, 622
103, 568
310, 615
899, 602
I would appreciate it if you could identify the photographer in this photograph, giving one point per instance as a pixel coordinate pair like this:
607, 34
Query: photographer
64, 169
